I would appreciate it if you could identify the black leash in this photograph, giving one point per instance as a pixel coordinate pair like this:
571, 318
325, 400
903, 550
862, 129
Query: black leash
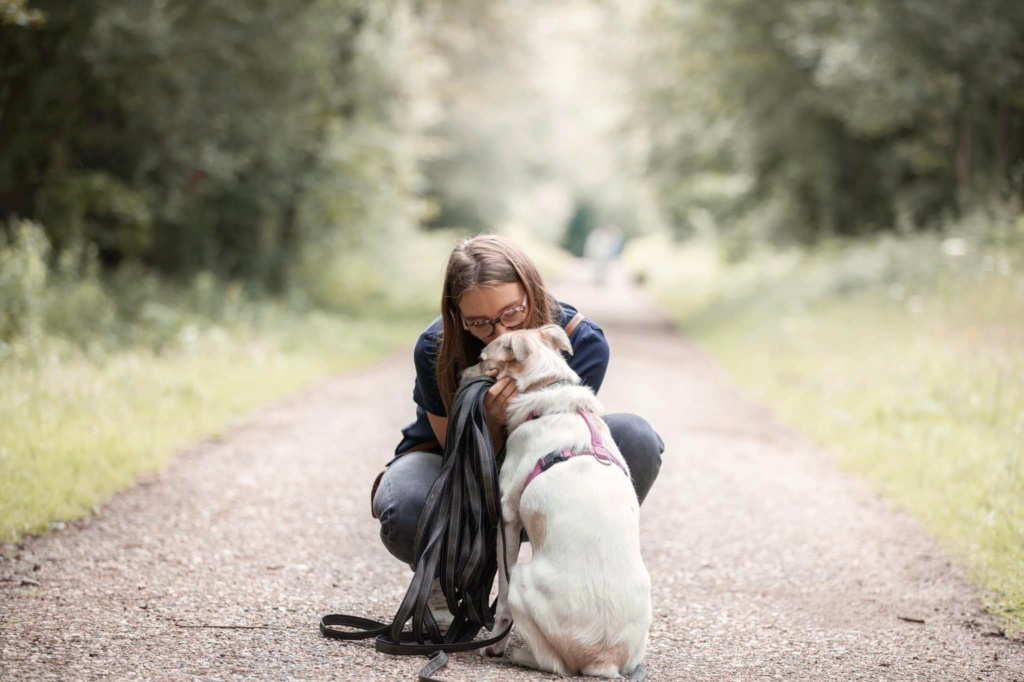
455, 541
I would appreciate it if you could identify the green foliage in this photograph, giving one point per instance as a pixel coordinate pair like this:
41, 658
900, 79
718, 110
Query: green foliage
786, 281
478, 116
18, 12
97, 209
247, 138
840, 118
75, 307
193, 136
402, 274
582, 223
22, 279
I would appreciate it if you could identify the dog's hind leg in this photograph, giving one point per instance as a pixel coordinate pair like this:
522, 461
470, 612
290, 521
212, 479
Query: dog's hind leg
548, 661
537, 652
602, 670
506, 557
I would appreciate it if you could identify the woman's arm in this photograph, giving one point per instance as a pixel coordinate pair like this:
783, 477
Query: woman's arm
590, 354
440, 426
495, 404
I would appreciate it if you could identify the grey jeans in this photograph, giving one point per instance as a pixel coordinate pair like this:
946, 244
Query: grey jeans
408, 478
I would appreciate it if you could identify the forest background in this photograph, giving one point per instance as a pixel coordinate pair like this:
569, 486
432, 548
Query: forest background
207, 205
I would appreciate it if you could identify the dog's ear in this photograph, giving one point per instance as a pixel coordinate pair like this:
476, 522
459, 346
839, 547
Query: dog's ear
555, 337
521, 347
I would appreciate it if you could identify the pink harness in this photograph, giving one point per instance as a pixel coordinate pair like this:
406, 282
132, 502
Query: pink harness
597, 450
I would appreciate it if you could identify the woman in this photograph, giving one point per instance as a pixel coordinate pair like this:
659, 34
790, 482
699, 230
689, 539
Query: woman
491, 286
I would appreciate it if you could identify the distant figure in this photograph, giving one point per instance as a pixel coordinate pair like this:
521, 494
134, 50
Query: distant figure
603, 245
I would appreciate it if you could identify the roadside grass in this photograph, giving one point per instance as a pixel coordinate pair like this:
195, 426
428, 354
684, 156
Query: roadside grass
75, 429
903, 356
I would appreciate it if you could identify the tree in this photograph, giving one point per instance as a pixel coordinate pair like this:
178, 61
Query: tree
204, 136
837, 117
18, 12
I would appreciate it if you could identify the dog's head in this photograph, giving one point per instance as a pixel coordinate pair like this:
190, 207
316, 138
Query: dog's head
529, 356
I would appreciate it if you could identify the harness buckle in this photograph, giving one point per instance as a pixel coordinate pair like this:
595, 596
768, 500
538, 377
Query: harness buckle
603, 456
553, 458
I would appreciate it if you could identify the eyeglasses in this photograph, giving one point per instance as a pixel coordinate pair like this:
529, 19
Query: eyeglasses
509, 319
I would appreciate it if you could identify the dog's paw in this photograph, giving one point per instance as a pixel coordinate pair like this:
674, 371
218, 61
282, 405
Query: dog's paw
494, 650
524, 657
497, 650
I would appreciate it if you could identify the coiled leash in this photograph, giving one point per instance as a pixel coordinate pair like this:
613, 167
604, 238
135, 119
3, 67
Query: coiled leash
455, 542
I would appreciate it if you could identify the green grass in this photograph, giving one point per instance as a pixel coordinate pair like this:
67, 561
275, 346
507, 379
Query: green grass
906, 361
74, 430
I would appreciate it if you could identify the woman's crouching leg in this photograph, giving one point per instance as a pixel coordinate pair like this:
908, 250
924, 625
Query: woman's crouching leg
400, 498
640, 446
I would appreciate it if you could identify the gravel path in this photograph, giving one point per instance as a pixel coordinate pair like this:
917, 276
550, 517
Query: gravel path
766, 564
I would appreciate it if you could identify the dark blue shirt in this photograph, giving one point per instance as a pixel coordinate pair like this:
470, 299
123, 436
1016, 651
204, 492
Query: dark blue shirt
589, 360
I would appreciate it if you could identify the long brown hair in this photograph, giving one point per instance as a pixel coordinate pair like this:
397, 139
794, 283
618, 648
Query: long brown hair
483, 260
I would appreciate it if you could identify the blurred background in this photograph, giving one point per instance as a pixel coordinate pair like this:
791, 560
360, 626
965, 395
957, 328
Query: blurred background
205, 205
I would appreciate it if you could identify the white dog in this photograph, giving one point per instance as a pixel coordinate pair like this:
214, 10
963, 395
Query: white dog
582, 604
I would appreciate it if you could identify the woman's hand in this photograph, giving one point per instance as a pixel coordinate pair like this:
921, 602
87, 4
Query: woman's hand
496, 400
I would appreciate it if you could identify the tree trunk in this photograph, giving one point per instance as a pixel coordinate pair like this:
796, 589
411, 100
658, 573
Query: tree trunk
1003, 141
963, 152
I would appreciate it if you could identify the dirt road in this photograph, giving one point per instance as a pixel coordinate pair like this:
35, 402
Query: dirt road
766, 563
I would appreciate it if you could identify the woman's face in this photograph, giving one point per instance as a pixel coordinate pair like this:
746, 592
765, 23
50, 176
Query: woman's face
488, 304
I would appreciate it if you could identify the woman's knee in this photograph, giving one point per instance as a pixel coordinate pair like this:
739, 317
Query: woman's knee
641, 447
400, 498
